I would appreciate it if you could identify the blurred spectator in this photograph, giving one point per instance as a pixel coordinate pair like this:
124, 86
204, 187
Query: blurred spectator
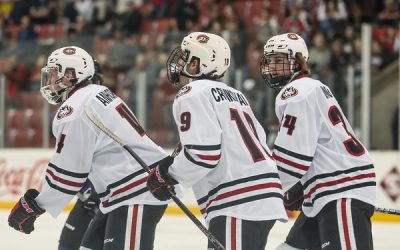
103, 11
20, 9
71, 12
122, 53
379, 56
320, 57
18, 77
3, 34
131, 19
186, 14
172, 37
27, 33
85, 10
331, 14
266, 25
43, 11
390, 14
296, 22
338, 65
160, 8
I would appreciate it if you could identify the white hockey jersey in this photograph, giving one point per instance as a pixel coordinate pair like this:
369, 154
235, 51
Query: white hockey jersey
83, 151
316, 144
225, 158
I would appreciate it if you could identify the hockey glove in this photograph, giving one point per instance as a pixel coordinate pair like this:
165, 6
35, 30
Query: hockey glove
293, 198
159, 182
25, 212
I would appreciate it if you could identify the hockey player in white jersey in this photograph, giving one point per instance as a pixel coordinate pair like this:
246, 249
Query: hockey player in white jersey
328, 173
225, 158
128, 212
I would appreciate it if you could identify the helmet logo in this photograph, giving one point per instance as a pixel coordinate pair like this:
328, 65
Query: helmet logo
69, 51
292, 36
202, 38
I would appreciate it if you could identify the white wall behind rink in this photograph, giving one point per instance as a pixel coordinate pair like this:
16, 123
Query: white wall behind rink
21, 169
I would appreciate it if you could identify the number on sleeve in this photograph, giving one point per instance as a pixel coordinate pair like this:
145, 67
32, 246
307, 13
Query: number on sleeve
289, 123
185, 121
126, 114
255, 152
353, 146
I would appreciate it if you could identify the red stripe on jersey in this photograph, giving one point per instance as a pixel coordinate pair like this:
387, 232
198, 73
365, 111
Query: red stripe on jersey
335, 182
241, 191
345, 225
233, 233
132, 185
133, 227
290, 163
64, 181
209, 157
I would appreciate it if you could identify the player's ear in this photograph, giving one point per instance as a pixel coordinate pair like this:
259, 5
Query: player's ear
194, 66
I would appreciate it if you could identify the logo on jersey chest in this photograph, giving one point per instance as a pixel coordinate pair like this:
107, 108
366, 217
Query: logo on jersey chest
64, 112
184, 90
289, 92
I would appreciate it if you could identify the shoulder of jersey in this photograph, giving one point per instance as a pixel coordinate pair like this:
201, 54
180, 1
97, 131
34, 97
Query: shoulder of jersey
74, 105
193, 88
297, 90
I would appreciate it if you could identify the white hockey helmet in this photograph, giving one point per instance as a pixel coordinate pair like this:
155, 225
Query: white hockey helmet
212, 51
289, 44
66, 68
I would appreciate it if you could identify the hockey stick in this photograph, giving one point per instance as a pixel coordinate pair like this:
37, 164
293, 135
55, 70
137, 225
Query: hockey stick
387, 211
178, 202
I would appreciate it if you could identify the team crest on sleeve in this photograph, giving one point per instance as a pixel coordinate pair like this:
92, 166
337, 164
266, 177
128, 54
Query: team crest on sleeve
289, 92
184, 90
64, 112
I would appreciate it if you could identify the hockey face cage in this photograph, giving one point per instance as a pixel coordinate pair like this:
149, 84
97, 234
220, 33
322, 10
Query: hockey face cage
55, 87
278, 69
175, 64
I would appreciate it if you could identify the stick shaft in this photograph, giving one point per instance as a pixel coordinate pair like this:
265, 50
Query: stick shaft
178, 202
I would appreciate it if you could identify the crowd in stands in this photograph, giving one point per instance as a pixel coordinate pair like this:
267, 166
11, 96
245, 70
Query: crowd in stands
132, 36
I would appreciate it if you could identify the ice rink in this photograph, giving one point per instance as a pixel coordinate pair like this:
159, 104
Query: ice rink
173, 233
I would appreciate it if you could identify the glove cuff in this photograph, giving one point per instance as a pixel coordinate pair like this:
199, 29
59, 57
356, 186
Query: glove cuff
29, 197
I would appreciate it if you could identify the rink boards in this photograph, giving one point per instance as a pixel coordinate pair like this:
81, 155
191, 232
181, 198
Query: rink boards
21, 169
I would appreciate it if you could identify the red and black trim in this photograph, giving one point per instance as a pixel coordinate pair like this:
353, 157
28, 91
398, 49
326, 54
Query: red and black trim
209, 153
339, 190
337, 173
293, 154
254, 184
361, 175
125, 185
63, 180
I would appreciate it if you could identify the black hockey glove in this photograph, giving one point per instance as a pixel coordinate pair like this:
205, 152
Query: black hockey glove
159, 182
294, 197
25, 212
